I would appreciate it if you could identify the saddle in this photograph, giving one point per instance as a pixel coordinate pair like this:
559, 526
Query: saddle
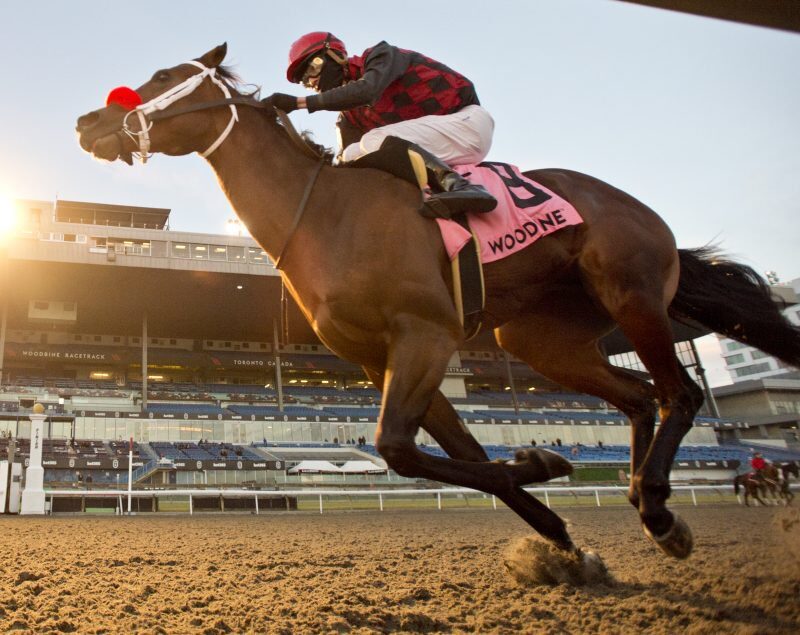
395, 158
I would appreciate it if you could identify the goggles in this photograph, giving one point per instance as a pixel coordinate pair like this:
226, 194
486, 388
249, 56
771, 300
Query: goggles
313, 69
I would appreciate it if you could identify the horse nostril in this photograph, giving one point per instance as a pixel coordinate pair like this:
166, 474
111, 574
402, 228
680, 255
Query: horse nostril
87, 120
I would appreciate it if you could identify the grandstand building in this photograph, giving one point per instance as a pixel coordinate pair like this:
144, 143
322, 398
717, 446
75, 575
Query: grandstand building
771, 406
187, 343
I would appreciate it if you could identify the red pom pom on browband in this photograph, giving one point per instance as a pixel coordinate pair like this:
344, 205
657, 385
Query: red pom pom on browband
125, 97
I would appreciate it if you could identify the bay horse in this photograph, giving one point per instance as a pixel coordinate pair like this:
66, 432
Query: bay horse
772, 481
751, 486
371, 276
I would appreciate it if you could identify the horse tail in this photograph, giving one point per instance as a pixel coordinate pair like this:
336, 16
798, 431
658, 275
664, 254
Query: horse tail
736, 485
733, 300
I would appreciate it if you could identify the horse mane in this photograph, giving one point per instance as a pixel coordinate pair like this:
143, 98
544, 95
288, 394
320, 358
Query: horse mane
236, 85
231, 78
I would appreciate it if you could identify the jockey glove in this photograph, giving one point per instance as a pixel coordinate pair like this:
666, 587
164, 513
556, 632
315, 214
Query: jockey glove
282, 101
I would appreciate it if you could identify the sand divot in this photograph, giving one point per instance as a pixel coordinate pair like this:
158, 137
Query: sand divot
532, 562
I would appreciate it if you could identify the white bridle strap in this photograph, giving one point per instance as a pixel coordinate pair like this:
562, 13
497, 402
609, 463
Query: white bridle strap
166, 99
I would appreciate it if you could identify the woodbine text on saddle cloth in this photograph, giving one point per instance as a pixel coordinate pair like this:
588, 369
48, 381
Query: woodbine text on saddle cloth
526, 211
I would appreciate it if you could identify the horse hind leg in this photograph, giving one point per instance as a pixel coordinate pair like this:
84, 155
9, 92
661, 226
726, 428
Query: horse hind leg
571, 357
636, 289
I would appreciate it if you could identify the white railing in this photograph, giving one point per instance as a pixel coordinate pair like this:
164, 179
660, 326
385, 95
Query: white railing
379, 495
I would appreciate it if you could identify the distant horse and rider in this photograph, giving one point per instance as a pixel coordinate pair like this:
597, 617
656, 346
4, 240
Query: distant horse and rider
372, 277
768, 485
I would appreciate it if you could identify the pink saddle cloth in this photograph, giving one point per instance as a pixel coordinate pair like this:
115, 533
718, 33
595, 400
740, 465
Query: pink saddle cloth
526, 211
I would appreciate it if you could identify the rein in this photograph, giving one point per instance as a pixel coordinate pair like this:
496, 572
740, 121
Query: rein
293, 135
154, 111
245, 101
300, 209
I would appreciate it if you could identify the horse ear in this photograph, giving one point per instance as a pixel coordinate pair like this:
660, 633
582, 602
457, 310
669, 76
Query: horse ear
214, 57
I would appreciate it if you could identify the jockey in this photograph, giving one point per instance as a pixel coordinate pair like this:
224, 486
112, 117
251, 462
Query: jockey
393, 92
758, 464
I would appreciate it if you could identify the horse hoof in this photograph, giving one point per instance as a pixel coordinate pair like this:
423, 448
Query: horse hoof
677, 541
537, 466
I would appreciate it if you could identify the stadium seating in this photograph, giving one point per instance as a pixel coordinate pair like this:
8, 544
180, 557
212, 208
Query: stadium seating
230, 452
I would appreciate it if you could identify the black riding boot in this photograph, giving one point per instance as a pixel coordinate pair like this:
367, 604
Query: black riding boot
451, 193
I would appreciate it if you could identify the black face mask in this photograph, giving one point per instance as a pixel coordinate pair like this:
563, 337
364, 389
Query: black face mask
332, 75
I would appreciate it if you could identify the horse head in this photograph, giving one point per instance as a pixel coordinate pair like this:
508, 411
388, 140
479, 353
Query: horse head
144, 120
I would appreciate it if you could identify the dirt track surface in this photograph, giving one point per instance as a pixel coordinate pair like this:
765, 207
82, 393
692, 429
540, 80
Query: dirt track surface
398, 571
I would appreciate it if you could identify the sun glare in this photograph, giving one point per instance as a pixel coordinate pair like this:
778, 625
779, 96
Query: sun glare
8, 216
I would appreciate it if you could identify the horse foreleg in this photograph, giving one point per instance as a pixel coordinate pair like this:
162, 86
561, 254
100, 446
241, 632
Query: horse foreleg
415, 369
442, 422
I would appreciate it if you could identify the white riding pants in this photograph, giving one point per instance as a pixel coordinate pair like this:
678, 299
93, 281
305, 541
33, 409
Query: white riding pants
463, 137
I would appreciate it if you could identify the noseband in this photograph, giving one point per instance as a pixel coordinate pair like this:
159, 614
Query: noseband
150, 112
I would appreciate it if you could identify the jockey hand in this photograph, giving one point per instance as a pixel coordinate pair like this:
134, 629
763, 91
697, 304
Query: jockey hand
282, 101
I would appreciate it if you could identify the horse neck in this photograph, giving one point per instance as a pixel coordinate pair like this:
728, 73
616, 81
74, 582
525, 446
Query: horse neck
263, 175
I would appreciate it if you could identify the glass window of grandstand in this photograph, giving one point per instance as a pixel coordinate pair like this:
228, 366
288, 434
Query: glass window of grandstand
129, 247
256, 255
199, 252
735, 359
752, 370
181, 250
735, 346
236, 254
219, 252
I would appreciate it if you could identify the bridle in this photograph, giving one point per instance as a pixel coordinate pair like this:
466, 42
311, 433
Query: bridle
152, 111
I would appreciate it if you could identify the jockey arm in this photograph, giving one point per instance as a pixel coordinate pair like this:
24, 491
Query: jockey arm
383, 65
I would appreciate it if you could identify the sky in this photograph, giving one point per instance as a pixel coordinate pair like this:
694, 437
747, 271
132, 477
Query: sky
698, 118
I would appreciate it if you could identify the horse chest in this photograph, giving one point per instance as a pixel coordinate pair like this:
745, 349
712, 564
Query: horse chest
356, 334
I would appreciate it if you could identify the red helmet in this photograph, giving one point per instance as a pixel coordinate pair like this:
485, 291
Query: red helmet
309, 45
